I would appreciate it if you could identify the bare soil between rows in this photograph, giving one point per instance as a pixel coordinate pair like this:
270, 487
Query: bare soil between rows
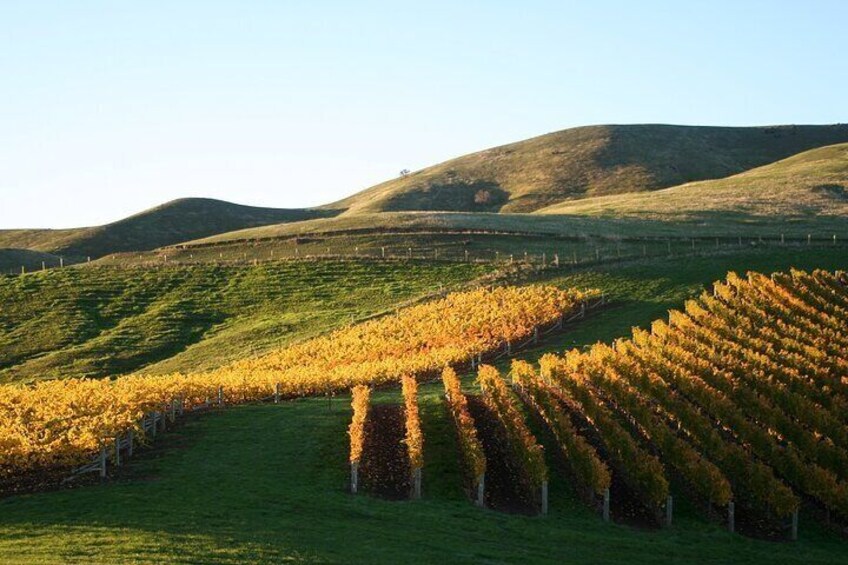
384, 467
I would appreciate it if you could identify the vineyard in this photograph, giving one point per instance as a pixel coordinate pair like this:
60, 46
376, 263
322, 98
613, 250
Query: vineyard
62, 423
739, 399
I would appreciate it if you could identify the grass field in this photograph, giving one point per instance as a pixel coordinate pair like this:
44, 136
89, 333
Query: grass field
98, 321
267, 483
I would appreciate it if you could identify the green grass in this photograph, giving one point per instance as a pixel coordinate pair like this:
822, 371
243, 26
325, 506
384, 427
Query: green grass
267, 484
97, 321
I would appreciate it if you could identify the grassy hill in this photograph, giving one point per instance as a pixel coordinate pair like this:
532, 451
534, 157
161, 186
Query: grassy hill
175, 221
100, 321
587, 161
812, 185
266, 483
11, 260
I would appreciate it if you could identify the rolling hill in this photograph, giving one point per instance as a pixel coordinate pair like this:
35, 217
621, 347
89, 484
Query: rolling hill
587, 161
810, 185
172, 222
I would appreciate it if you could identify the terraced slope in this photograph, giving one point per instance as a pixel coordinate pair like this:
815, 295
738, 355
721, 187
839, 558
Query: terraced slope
812, 184
587, 161
175, 221
105, 320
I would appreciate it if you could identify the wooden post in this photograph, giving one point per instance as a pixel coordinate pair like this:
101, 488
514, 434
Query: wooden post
416, 484
669, 511
793, 532
23, 270
103, 461
597, 254
481, 488
220, 396
782, 239
556, 259
182, 404
383, 252
508, 348
118, 450
354, 477
277, 393
536, 335
43, 266
544, 498
606, 510
61, 261
466, 256
510, 259
731, 517
809, 239
544, 259
130, 438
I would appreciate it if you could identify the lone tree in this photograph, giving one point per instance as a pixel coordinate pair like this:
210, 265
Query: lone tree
404, 172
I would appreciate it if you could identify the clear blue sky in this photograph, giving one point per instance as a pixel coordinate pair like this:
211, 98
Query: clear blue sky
107, 108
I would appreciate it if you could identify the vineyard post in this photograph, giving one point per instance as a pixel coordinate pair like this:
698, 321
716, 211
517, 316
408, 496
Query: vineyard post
782, 239
162, 416
544, 498
669, 511
416, 483
173, 409
731, 517
606, 511
834, 239
536, 335
508, 348
153, 424
481, 487
118, 450
220, 396
277, 393
556, 260
354, 476
130, 438
544, 259
793, 532
61, 261
43, 266
383, 252
809, 239
466, 256
182, 404
497, 256
479, 359
103, 461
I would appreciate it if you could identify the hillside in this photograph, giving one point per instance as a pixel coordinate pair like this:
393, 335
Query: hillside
11, 260
99, 321
172, 222
810, 185
280, 470
588, 161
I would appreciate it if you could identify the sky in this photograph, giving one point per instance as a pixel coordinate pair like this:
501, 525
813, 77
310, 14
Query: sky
109, 108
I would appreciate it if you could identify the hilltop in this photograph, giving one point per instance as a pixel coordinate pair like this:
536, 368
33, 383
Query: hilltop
810, 185
585, 162
172, 222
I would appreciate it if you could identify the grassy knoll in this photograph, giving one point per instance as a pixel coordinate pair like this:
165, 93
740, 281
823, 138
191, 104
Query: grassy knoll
587, 161
96, 320
810, 185
172, 222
